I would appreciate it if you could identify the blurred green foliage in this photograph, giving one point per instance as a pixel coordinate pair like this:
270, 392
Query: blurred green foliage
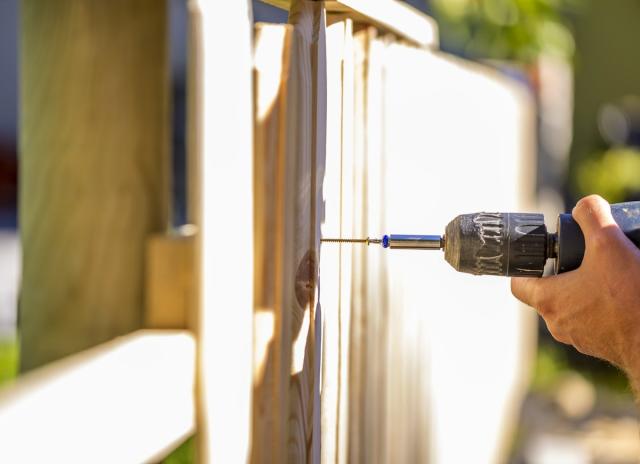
516, 30
553, 362
613, 174
606, 101
184, 454
8, 359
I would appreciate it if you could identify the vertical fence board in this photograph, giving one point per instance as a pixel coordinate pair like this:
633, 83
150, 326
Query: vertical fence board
375, 368
330, 256
308, 20
222, 121
347, 219
357, 334
275, 170
451, 330
290, 156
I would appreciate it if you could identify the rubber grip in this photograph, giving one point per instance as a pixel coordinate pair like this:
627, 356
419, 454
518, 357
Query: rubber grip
570, 240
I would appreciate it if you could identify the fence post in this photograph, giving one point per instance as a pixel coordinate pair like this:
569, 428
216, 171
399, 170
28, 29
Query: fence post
93, 143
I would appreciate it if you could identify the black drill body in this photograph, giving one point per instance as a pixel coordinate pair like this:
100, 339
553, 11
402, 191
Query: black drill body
518, 244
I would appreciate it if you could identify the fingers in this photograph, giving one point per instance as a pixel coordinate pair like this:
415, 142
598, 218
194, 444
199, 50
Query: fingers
593, 214
544, 294
526, 289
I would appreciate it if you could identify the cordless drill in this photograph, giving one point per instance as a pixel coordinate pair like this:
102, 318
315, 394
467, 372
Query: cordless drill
509, 244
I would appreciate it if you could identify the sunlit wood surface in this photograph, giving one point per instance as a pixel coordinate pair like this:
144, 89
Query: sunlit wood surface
221, 153
128, 400
289, 161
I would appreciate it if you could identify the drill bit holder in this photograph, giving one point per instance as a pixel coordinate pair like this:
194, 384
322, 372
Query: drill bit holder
508, 244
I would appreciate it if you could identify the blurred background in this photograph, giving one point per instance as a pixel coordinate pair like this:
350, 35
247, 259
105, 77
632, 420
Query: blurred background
579, 60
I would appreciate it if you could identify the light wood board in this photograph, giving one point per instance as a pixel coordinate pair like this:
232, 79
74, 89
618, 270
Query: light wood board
221, 144
127, 400
274, 181
290, 88
308, 19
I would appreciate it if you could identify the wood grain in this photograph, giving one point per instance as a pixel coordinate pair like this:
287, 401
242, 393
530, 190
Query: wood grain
358, 337
274, 176
289, 158
308, 20
93, 169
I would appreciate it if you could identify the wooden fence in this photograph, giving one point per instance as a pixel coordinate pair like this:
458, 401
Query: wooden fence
345, 122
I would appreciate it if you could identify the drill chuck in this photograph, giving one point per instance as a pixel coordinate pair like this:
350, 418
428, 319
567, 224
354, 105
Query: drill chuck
518, 244
510, 244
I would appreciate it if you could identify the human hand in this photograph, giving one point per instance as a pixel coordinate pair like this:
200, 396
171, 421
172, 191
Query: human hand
595, 308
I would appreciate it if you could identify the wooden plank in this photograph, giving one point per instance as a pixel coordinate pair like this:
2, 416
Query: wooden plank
358, 335
221, 114
169, 299
128, 400
347, 217
274, 177
93, 168
289, 160
376, 368
308, 134
369, 324
330, 254
289, 155
390, 15
440, 107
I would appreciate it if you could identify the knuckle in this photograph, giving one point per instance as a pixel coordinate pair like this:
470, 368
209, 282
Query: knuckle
540, 301
555, 332
591, 202
558, 334
523, 290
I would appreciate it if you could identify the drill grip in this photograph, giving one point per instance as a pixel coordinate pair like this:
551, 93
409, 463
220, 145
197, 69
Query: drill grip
570, 242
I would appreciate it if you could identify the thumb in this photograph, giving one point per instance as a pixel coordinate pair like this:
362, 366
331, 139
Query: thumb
526, 289
592, 214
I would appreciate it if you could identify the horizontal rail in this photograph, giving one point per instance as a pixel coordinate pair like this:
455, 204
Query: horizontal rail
127, 400
392, 15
